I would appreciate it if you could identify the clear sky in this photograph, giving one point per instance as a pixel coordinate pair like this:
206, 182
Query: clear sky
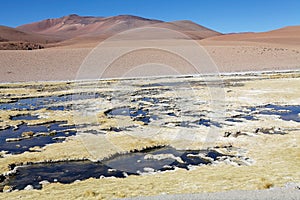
222, 15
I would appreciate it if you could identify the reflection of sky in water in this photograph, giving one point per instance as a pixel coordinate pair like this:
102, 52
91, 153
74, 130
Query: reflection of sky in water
23, 145
117, 166
24, 117
288, 113
37, 103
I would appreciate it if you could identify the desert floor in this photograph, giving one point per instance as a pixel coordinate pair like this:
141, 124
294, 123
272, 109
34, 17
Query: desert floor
66, 61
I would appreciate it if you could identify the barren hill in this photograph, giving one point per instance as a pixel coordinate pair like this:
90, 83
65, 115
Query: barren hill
74, 26
288, 35
13, 39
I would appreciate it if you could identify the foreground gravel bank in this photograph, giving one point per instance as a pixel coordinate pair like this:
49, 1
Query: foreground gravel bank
287, 193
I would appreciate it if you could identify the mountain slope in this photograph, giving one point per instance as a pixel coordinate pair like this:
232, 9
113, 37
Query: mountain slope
13, 39
189, 28
73, 26
288, 35
11, 34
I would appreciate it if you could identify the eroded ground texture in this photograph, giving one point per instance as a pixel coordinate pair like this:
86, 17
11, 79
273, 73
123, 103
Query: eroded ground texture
141, 137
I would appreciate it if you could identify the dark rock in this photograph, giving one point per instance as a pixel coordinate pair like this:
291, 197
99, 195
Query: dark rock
2, 178
12, 166
227, 134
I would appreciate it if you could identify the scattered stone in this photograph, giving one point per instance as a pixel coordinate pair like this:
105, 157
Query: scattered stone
35, 149
59, 138
28, 134
2, 178
41, 134
149, 169
3, 153
15, 128
239, 133
13, 139
28, 187
162, 157
7, 188
52, 133
236, 134
12, 166
272, 130
44, 183
168, 167
227, 134
111, 170
125, 174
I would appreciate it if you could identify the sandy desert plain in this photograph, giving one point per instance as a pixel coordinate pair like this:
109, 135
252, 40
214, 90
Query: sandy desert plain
238, 129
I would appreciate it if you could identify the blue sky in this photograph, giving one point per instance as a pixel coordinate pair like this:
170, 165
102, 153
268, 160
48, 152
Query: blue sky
222, 15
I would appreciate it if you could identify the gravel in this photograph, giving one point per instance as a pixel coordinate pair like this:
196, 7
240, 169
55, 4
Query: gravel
290, 192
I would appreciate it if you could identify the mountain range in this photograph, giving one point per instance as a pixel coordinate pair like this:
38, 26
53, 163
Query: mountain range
73, 28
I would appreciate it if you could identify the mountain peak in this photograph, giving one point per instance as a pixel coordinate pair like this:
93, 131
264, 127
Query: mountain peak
73, 15
73, 25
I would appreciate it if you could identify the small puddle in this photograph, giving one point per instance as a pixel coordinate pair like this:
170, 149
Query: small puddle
24, 117
209, 123
233, 120
151, 100
37, 103
16, 141
120, 166
146, 99
139, 115
287, 113
61, 108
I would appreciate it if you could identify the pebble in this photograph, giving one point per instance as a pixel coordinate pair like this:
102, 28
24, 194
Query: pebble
7, 189
149, 169
44, 182
28, 134
13, 139
28, 187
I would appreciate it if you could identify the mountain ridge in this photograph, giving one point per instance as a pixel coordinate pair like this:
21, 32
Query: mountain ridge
72, 29
73, 25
